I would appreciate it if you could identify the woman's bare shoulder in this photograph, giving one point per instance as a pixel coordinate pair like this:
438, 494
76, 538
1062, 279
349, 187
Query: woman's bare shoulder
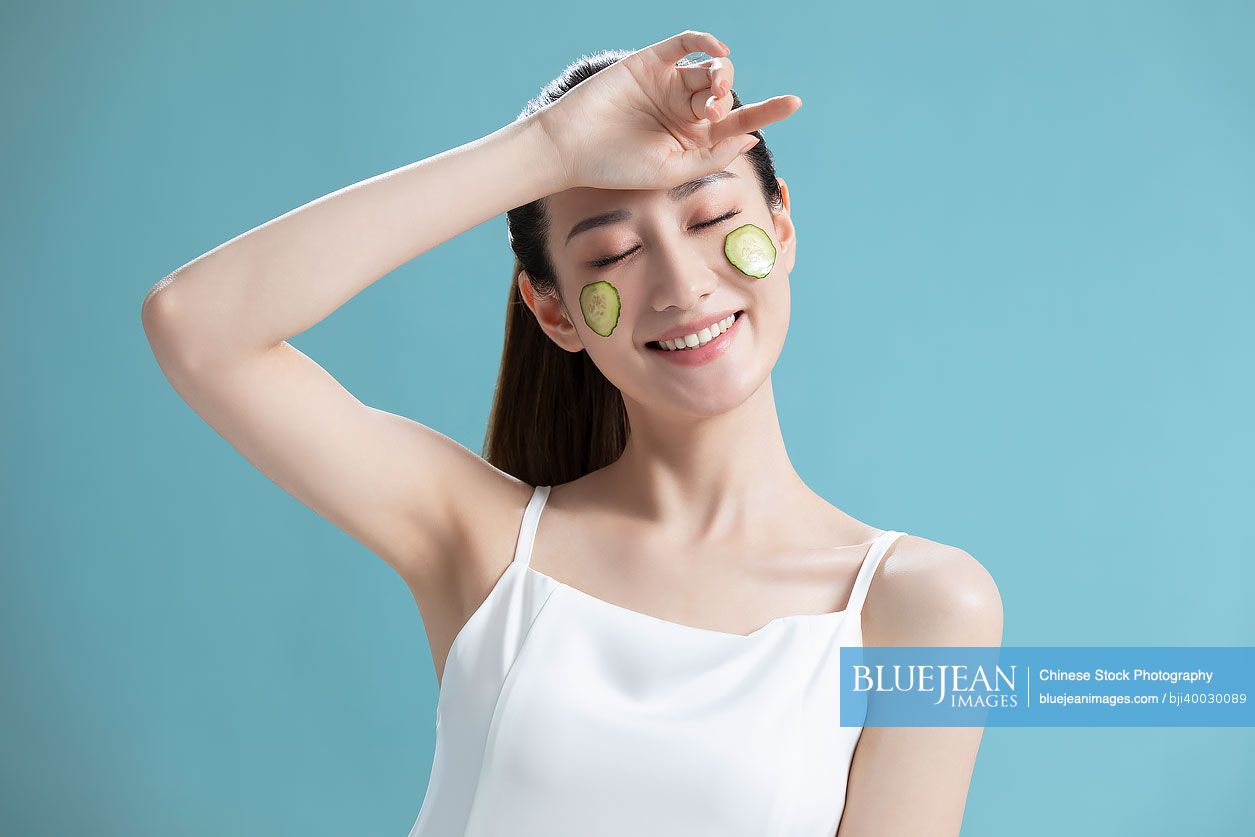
929, 593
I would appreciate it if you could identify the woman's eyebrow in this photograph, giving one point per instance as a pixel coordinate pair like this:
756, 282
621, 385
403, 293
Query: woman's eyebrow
616, 216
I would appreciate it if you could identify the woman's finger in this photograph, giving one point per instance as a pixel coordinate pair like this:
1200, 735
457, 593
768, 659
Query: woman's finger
677, 46
721, 77
707, 75
749, 118
711, 104
705, 104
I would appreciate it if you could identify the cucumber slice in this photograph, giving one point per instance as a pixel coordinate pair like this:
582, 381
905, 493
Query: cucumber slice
600, 303
750, 250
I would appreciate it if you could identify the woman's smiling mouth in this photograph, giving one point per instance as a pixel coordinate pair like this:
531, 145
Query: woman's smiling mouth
701, 347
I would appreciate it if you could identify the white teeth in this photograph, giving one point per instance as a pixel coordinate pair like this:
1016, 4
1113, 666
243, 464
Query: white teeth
700, 338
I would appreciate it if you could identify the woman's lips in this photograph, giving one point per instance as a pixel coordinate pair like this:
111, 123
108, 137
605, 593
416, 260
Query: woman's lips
702, 354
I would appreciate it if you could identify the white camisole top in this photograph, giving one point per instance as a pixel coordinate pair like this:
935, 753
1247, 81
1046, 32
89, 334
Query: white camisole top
561, 714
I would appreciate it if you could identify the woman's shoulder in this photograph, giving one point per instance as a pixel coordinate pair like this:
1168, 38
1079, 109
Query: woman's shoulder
930, 593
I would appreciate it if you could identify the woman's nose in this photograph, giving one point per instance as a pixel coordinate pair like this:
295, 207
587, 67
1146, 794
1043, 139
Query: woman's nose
681, 278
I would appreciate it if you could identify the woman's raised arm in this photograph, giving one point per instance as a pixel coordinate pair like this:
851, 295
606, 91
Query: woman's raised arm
218, 327
279, 279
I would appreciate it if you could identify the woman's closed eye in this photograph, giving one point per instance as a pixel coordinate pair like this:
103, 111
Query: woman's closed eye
606, 261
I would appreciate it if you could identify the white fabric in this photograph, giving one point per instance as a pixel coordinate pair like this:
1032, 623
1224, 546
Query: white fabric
561, 714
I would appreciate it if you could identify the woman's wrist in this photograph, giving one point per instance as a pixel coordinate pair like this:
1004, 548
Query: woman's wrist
531, 166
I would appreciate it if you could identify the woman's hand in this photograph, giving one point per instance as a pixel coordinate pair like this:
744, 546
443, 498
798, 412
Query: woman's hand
644, 123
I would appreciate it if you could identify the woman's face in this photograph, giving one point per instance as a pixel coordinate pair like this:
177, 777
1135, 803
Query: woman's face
672, 273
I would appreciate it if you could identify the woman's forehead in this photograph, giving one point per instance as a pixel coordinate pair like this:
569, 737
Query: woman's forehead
577, 209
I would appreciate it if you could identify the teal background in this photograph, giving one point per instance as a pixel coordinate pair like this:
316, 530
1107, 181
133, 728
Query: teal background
1021, 326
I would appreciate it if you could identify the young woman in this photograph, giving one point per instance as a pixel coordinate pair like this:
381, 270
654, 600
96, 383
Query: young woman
657, 653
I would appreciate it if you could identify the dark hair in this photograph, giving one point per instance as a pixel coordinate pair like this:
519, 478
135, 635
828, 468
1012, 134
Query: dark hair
554, 416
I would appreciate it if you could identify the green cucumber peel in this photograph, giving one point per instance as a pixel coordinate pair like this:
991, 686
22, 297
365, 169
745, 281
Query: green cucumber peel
599, 302
748, 248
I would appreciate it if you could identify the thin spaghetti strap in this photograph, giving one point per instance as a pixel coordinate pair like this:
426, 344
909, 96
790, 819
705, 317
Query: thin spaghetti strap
864, 578
527, 530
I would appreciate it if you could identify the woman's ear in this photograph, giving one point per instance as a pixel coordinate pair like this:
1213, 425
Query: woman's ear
526, 291
550, 314
786, 233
